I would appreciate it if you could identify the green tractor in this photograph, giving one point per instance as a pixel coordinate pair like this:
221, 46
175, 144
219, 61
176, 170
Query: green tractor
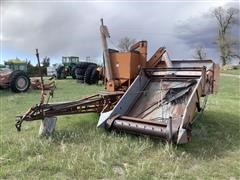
84, 72
65, 69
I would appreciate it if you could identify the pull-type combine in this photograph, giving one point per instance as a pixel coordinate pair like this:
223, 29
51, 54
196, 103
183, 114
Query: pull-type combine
157, 97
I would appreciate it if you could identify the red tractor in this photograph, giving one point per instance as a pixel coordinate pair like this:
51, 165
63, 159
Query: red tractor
17, 80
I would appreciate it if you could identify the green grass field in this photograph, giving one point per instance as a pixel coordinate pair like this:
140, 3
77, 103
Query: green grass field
78, 150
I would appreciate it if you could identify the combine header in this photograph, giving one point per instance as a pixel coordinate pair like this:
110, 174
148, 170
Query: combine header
157, 97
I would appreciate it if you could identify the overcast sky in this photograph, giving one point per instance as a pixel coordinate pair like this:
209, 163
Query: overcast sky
72, 28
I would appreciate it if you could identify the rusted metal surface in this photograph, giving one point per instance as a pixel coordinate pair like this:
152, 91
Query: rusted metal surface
36, 84
153, 61
96, 103
104, 35
5, 77
162, 101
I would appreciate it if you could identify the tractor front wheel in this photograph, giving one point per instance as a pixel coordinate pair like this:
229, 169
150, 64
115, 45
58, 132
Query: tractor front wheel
61, 72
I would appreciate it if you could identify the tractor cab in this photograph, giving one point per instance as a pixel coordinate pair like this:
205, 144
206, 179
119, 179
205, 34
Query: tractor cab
68, 60
16, 64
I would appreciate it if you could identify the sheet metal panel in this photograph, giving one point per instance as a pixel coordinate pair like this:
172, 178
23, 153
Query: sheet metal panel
127, 100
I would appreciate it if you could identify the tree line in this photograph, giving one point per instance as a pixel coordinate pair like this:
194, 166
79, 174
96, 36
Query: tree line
35, 70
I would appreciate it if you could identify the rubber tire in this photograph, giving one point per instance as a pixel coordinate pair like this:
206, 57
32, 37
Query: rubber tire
15, 77
79, 73
70, 68
73, 72
88, 72
61, 73
84, 65
94, 78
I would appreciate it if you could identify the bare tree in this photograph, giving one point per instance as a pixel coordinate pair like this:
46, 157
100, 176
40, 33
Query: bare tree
199, 53
226, 18
125, 44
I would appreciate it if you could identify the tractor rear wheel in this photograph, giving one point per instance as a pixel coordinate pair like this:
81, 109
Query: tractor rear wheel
79, 73
94, 76
19, 81
88, 72
84, 65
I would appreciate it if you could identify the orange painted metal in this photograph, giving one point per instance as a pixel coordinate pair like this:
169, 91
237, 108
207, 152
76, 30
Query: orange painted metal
36, 84
125, 66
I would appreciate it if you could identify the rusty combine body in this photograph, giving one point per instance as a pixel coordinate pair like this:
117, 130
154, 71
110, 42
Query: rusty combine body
157, 97
163, 102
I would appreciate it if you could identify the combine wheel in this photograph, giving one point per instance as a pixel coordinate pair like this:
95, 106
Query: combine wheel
19, 81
